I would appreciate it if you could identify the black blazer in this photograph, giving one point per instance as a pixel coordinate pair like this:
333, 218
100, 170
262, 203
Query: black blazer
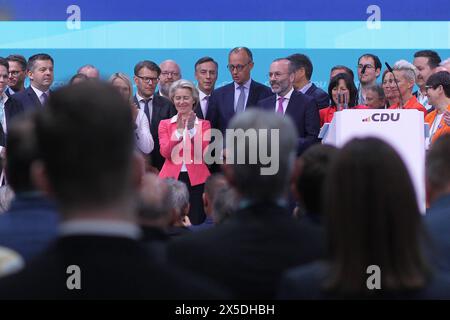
12, 108
27, 99
321, 97
163, 108
303, 111
111, 268
249, 252
221, 103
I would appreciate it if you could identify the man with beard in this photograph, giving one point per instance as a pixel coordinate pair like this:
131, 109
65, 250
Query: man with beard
287, 101
170, 72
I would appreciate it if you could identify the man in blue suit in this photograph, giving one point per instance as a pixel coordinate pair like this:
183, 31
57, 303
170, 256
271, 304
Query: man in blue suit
40, 73
31, 223
302, 82
437, 217
235, 97
300, 107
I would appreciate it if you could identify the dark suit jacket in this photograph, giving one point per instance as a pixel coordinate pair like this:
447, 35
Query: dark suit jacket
29, 225
249, 252
303, 111
321, 97
305, 283
221, 103
111, 268
437, 220
199, 112
162, 109
27, 99
12, 108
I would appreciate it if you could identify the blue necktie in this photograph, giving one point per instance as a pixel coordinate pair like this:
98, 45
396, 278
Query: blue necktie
147, 110
240, 107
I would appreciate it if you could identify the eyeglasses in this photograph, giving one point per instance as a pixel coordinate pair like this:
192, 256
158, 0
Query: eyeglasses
238, 67
148, 79
169, 73
368, 66
429, 87
276, 75
14, 73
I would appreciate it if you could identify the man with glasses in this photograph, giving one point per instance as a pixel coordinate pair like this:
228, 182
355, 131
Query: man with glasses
155, 107
17, 73
369, 68
170, 72
237, 96
301, 108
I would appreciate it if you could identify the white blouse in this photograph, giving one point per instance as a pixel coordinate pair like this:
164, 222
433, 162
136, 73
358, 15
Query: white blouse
143, 136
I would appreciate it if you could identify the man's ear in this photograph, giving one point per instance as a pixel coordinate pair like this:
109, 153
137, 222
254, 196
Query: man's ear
40, 179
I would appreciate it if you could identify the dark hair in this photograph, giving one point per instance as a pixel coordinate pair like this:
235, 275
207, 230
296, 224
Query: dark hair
315, 164
373, 219
438, 163
204, 60
86, 144
247, 50
78, 76
347, 70
375, 59
40, 56
18, 58
22, 151
433, 58
302, 61
4, 62
147, 64
334, 82
441, 78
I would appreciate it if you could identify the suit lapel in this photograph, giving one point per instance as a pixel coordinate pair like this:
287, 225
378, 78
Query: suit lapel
252, 95
33, 96
229, 102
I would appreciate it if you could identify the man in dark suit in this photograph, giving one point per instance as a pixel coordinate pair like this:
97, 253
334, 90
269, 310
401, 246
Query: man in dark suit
303, 73
8, 107
206, 74
237, 96
300, 107
40, 72
93, 174
155, 107
31, 222
261, 239
437, 217
17, 73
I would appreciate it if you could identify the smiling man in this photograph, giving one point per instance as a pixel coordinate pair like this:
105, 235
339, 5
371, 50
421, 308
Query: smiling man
206, 74
40, 72
301, 108
426, 61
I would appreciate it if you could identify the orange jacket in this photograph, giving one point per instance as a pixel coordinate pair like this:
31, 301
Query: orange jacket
442, 129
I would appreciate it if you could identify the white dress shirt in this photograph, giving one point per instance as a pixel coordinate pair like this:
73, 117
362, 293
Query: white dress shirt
423, 100
203, 102
191, 133
141, 104
143, 136
99, 227
286, 99
237, 93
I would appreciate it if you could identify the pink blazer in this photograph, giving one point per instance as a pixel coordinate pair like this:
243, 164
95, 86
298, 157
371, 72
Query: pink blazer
188, 150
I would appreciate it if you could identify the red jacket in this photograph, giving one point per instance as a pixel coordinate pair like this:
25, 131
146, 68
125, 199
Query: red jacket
173, 149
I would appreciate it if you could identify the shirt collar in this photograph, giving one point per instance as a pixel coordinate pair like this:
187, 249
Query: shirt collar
306, 87
202, 95
288, 95
39, 92
139, 98
100, 227
4, 97
245, 85
175, 118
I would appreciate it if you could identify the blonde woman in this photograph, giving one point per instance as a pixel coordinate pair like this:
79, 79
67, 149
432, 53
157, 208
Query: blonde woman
143, 137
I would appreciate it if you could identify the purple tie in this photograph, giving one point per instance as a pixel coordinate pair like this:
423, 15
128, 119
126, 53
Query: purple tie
280, 105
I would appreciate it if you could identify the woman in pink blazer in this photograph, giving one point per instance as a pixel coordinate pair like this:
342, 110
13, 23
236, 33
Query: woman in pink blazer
183, 140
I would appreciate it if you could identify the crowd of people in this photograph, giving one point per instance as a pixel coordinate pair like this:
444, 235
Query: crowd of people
118, 183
